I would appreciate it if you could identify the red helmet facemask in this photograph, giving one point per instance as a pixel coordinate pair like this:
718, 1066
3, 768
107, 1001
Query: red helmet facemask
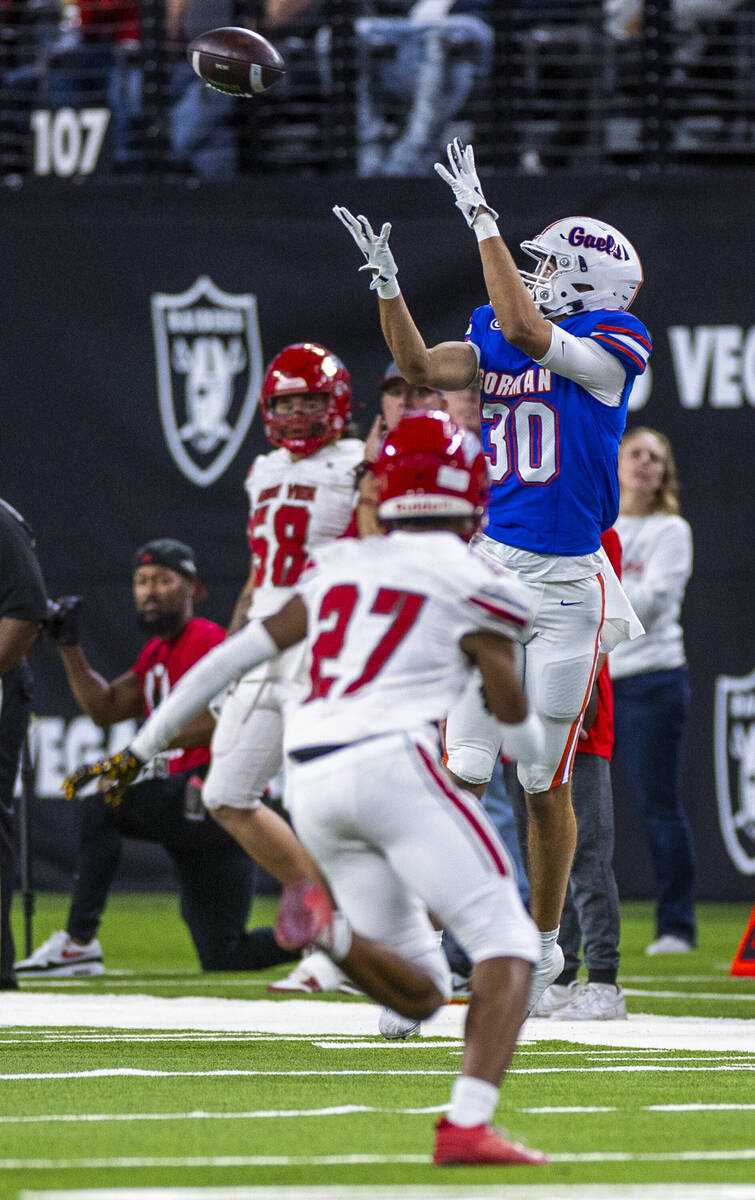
428, 467
306, 368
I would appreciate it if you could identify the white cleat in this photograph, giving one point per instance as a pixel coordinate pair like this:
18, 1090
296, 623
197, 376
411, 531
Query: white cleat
315, 973
669, 944
593, 1002
553, 998
395, 1027
60, 958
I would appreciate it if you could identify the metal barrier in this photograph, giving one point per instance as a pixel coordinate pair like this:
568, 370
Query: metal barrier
92, 88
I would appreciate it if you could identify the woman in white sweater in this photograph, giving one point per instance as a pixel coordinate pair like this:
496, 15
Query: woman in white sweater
651, 685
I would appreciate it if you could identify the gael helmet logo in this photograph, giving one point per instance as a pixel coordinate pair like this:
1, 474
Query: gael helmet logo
209, 369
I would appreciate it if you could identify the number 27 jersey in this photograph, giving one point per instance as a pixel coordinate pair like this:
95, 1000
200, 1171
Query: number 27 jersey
296, 506
385, 618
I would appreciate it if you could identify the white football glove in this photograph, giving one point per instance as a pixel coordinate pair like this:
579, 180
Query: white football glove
375, 248
464, 183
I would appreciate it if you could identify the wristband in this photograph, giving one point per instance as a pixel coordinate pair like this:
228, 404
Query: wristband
362, 469
484, 226
389, 290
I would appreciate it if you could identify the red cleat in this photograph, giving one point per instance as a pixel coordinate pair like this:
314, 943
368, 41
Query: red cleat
304, 913
480, 1145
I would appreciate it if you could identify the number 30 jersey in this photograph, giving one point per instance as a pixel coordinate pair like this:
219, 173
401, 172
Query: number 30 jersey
295, 507
385, 618
552, 447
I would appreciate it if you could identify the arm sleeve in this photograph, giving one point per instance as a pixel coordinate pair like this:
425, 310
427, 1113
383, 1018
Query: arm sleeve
667, 570
235, 656
588, 364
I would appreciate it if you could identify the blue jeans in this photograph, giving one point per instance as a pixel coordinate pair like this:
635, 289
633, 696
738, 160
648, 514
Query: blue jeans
413, 79
202, 135
650, 715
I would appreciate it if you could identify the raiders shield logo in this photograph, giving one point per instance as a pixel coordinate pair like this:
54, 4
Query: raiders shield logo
735, 767
209, 371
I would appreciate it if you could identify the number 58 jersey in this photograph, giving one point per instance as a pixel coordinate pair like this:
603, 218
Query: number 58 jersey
296, 505
385, 619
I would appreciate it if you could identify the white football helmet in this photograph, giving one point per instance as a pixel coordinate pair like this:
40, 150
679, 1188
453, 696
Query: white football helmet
581, 264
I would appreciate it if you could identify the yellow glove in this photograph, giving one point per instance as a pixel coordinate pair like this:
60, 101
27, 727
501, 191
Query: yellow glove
121, 769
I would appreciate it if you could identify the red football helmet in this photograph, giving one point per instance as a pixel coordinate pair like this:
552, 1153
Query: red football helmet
428, 467
306, 368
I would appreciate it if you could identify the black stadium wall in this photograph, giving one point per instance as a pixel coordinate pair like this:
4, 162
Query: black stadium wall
135, 325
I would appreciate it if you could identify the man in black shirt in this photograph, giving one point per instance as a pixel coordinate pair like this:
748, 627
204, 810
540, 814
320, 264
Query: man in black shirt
23, 608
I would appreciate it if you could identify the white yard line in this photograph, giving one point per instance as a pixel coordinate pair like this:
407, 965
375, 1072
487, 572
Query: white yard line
315, 1018
512, 1191
330, 1160
644, 1068
690, 995
344, 1110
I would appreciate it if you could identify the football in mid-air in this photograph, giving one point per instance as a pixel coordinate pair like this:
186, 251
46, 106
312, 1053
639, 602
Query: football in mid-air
236, 61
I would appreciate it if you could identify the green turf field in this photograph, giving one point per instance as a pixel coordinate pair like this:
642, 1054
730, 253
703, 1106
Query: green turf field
195, 1088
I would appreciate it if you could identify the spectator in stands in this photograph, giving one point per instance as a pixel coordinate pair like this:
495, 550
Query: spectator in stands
215, 875
651, 684
202, 133
417, 66
95, 63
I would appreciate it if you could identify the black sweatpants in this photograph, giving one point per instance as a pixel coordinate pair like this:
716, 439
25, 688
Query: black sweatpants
15, 706
215, 876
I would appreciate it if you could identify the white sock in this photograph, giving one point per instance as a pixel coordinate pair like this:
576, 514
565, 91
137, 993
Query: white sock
547, 938
473, 1101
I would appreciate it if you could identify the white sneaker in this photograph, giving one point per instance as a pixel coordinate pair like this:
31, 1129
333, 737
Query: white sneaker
394, 1026
553, 998
315, 973
549, 967
669, 944
593, 1002
60, 958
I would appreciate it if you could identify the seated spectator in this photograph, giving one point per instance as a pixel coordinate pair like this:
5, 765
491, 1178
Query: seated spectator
201, 123
417, 66
95, 63
215, 875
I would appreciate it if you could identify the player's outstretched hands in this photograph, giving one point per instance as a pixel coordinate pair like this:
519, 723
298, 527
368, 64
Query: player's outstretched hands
463, 180
115, 772
376, 251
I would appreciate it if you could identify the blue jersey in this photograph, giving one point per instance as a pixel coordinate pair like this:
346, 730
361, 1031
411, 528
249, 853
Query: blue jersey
552, 447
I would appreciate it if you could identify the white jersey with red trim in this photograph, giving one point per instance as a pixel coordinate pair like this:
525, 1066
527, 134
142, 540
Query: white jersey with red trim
295, 507
385, 619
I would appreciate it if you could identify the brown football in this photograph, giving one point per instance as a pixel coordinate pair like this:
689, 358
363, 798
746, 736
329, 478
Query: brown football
236, 61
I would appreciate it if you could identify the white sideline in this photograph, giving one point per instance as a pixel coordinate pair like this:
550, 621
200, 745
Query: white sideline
557, 1191
330, 1017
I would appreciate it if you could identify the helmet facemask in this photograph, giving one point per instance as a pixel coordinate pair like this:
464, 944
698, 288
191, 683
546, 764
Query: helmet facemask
303, 431
305, 370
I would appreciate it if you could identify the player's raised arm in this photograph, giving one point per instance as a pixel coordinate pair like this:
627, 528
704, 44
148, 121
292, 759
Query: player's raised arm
451, 365
521, 324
